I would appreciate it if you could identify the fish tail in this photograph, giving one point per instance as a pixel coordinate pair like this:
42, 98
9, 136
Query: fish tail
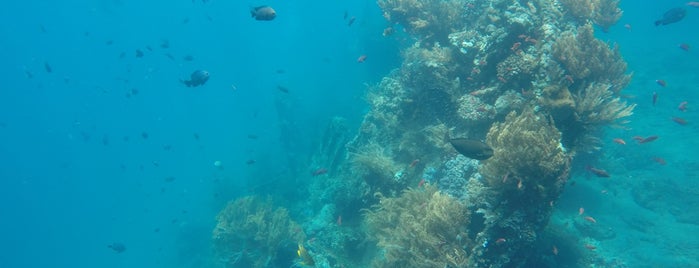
186, 83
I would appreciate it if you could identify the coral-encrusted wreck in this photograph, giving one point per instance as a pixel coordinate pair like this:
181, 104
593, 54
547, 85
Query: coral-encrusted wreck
527, 77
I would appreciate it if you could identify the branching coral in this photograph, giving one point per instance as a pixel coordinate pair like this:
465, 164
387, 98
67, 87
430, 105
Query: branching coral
588, 59
604, 13
596, 105
430, 19
527, 153
421, 228
249, 232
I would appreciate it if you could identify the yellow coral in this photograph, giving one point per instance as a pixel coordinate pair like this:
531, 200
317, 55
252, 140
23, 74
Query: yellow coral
250, 231
527, 153
421, 228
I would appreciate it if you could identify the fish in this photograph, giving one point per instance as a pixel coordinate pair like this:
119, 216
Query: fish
361, 58
647, 139
117, 247
283, 89
661, 82
250, 162
590, 247
598, 172
472, 148
388, 31
265, 13
655, 98
679, 120
139, 53
672, 16
693, 4
627, 26
48, 67
351, 21
581, 210
619, 141
305, 257
319, 172
590, 219
500, 241
415, 162
144, 135
339, 220
169, 179
684, 46
683, 106
554, 250
188, 58
659, 160
197, 78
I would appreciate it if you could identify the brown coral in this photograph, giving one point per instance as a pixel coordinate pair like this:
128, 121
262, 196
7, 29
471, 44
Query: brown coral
421, 228
250, 231
527, 150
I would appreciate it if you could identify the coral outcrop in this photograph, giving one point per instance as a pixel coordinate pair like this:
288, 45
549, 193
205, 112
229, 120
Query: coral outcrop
421, 228
251, 232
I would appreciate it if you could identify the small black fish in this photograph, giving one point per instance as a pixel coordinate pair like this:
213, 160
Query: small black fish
48, 67
165, 44
672, 16
197, 78
263, 13
144, 135
252, 136
196, 136
149, 48
29, 74
472, 148
139, 53
283, 89
169, 56
351, 21
109, 42
250, 161
169, 179
117, 247
188, 58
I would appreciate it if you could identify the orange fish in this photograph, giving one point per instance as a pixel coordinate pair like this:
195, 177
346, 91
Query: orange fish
361, 58
412, 164
679, 120
619, 141
661, 82
598, 172
648, 139
319, 172
660, 160
590, 219
581, 210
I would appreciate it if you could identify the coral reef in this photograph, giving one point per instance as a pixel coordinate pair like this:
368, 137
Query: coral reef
604, 13
428, 19
527, 153
421, 228
251, 232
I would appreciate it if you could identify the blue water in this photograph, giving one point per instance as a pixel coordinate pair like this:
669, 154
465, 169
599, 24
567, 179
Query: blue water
77, 172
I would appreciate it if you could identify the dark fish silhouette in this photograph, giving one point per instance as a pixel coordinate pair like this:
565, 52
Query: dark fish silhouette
198, 78
117, 247
472, 148
139, 53
263, 13
48, 67
672, 16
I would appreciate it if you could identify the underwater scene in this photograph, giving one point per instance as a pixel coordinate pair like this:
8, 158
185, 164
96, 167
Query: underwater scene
341, 134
